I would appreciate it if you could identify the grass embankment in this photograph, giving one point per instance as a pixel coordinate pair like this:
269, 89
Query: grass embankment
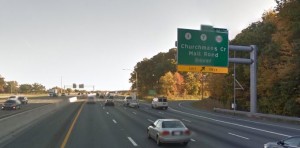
203, 104
5, 96
208, 104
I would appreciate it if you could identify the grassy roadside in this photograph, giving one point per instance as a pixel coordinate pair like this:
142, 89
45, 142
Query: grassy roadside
208, 104
5, 96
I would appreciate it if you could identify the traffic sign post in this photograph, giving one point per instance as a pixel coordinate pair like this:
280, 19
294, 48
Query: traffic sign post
203, 50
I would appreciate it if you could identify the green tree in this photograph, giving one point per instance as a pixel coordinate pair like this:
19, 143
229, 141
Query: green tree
11, 87
2, 84
167, 84
25, 88
38, 88
192, 84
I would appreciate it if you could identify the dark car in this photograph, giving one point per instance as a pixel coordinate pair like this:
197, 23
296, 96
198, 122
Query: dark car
23, 100
109, 102
11, 104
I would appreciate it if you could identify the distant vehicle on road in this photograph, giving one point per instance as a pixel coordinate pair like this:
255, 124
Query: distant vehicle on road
63, 94
134, 103
91, 100
109, 102
11, 104
23, 99
291, 142
13, 98
53, 92
169, 131
127, 99
160, 103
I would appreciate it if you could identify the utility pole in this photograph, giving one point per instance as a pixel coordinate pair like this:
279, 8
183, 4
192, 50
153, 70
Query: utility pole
61, 84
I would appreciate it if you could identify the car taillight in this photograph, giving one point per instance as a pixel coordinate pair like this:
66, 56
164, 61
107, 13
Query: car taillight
187, 132
165, 133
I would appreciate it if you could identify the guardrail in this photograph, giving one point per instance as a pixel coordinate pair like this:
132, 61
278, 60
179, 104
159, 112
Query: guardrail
295, 120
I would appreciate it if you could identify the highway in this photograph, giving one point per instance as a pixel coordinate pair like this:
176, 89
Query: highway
80, 124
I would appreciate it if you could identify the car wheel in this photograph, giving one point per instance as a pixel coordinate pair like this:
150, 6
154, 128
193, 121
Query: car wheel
158, 141
148, 134
185, 143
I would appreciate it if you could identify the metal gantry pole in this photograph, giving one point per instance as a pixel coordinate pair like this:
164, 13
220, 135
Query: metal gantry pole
234, 86
136, 79
253, 70
253, 79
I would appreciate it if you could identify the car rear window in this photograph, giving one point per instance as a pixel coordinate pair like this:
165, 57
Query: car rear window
10, 101
162, 100
21, 98
172, 124
128, 98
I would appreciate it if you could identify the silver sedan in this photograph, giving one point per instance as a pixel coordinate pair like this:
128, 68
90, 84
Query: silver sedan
169, 131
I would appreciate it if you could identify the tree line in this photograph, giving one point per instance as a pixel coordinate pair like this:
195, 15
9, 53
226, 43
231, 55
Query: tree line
277, 37
14, 87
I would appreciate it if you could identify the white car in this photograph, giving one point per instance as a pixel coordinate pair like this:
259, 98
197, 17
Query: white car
127, 99
160, 103
134, 103
13, 98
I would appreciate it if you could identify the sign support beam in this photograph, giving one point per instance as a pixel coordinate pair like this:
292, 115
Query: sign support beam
253, 70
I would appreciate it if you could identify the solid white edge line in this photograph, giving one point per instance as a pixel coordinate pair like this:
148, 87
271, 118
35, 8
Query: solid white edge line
134, 113
132, 141
193, 140
161, 113
114, 121
179, 104
186, 120
244, 126
150, 120
107, 112
238, 136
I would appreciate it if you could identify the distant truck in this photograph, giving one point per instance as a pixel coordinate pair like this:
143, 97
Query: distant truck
53, 92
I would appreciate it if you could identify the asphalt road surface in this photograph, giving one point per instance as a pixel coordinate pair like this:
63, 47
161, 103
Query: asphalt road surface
79, 125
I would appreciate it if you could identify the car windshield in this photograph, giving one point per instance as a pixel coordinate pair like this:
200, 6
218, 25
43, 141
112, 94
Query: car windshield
172, 124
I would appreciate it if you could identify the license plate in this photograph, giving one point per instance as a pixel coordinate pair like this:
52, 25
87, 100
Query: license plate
164, 103
177, 133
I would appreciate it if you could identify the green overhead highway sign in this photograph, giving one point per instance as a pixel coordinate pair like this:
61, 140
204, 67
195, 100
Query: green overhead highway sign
203, 50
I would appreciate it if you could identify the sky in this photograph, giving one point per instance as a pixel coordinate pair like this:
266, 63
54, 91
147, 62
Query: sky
90, 42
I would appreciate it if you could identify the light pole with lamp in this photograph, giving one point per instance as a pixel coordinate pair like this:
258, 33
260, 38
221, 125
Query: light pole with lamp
136, 80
